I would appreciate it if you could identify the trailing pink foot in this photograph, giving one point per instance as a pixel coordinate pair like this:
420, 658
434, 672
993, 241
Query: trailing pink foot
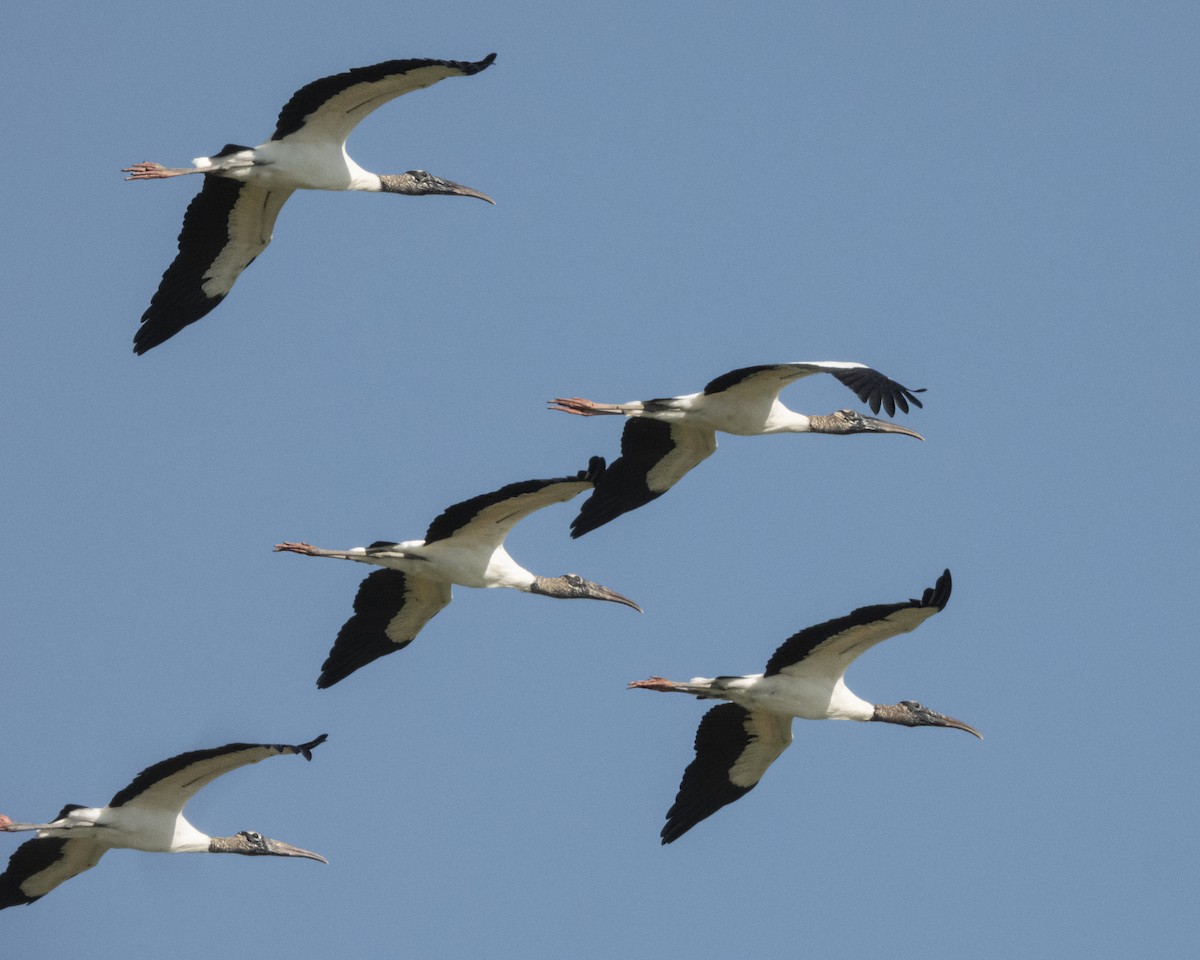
662, 684
289, 546
153, 171
585, 408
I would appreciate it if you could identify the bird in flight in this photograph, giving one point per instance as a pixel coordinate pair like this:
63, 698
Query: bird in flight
464, 545
232, 219
665, 438
146, 815
805, 678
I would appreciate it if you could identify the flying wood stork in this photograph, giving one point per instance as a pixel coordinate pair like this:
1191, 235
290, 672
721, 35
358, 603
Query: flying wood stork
738, 740
464, 545
231, 219
146, 815
665, 438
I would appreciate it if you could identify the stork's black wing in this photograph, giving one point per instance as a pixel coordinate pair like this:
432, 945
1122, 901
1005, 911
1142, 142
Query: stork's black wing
655, 454
389, 611
734, 747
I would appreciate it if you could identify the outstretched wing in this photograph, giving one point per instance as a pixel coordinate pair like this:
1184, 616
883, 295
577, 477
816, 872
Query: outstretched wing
389, 611
827, 649
655, 454
169, 784
489, 517
870, 386
226, 226
38, 866
734, 747
329, 108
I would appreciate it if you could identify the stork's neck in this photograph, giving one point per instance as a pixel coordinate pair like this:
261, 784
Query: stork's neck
394, 183
226, 845
554, 587
892, 713
830, 423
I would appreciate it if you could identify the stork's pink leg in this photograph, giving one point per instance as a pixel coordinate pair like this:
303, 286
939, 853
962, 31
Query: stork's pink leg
4, 821
660, 684
155, 171
291, 546
582, 407
308, 550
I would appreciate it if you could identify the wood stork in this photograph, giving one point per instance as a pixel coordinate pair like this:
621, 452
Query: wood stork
464, 545
665, 438
231, 219
738, 740
146, 815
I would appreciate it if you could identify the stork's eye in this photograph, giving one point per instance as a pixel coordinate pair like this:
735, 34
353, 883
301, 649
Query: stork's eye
252, 836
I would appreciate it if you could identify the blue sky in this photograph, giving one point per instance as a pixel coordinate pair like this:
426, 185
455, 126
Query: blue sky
995, 202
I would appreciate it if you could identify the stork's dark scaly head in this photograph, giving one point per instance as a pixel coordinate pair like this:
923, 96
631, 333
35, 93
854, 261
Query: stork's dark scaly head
909, 713
571, 586
420, 183
851, 421
251, 844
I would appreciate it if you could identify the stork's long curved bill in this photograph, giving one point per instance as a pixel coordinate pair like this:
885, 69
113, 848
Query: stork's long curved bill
604, 593
463, 191
277, 848
886, 426
436, 185
945, 721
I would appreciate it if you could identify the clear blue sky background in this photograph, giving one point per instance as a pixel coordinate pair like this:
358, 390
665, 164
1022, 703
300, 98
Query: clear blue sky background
995, 201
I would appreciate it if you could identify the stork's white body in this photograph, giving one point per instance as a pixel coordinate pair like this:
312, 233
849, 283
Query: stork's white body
466, 562
291, 165
729, 413
810, 696
153, 829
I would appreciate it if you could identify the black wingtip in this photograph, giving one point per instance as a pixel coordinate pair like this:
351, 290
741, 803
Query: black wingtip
939, 594
595, 470
149, 337
327, 678
306, 749
160, 325
672, 831
580, 526
468, 68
